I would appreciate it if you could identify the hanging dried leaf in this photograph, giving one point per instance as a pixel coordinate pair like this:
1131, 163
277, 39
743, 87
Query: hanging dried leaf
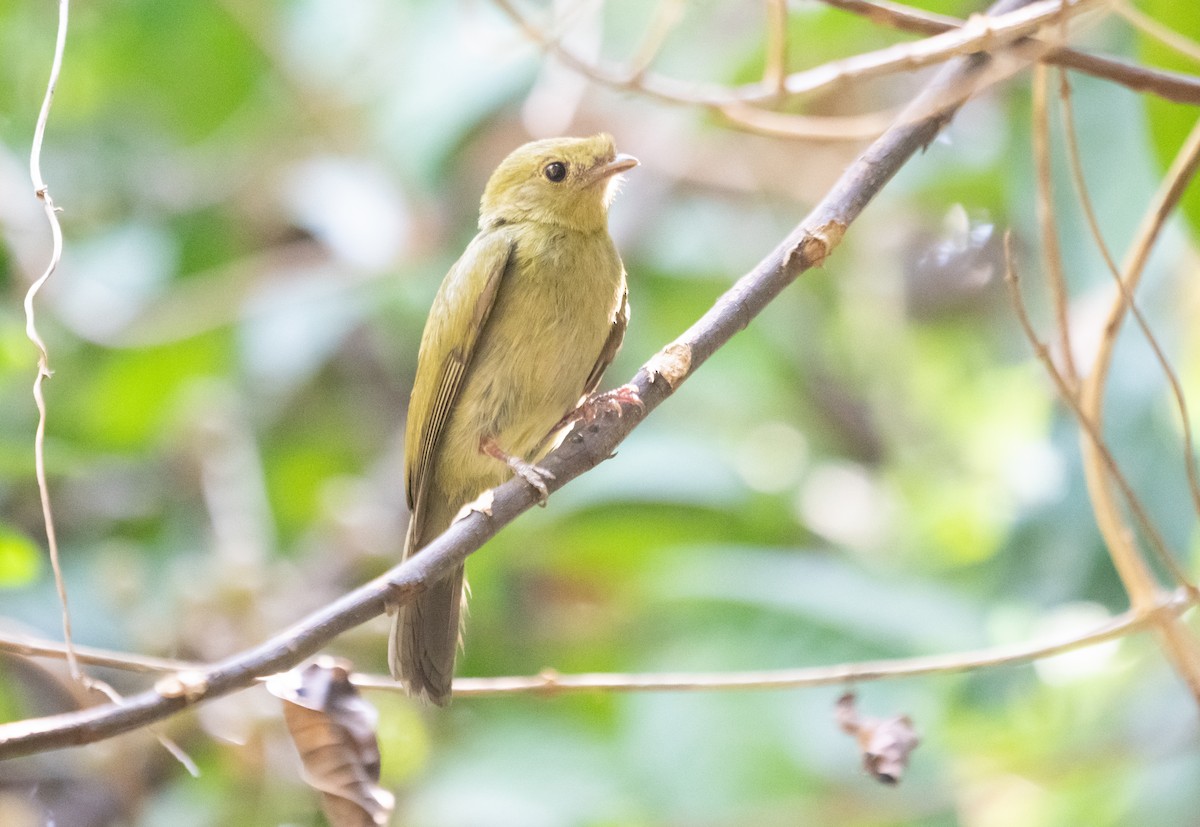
333, 728
885, 743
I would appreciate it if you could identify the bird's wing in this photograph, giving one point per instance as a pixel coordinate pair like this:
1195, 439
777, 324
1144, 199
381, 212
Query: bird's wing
612, 344
456, 319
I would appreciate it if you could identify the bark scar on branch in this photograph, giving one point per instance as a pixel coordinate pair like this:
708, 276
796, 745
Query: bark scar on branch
816, 246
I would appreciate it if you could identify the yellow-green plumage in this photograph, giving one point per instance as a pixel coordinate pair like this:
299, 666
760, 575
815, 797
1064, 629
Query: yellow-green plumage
520, 332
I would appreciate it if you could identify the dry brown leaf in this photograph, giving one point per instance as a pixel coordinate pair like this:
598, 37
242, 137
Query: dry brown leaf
333, 728
885, 743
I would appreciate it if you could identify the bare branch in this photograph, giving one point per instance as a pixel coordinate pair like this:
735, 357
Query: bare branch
981, 33
1180, 645
990, 32
551, 682
807, 127
775, 72
1099, 464
126, 661
1090, 434
1079, 180
1173, 86
1164, 34
669, 13
1051, 254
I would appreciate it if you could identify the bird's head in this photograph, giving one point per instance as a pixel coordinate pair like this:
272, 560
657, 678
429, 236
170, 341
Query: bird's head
563, 181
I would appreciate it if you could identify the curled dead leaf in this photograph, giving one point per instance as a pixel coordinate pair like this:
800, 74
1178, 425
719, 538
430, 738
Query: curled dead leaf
885, 743
333, 728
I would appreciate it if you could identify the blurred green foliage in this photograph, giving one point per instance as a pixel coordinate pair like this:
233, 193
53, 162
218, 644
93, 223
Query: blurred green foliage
1170, 123
259, 202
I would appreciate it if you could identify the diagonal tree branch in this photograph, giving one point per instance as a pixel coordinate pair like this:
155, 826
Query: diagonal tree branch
805, 247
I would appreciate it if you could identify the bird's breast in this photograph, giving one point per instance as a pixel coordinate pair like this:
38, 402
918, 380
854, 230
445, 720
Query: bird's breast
551, 317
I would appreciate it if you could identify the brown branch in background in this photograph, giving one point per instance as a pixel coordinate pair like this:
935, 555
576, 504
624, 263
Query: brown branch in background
897, 16
1093, 439
815, 128
42, 191
982, 33
807, 246
1100, 464
775, 71
551, 682
667, 17
1047, 222
1173, 86
1079, 180
1180, 645
125, 661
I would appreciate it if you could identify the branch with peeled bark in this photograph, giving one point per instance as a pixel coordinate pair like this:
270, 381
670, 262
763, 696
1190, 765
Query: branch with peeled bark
805, 247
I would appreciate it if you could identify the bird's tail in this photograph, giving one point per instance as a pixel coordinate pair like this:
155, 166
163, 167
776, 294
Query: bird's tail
426, 630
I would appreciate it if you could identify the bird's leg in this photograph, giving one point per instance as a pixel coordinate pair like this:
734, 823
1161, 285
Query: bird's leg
535, 475
590, 409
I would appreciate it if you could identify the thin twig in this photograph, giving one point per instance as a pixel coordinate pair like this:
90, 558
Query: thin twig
125, 661
551, 682
1164, 34
666, 18
897, 16
1179, 644
981, 33
807, 246
816, 128
1173, 86
1128, 563
42, 191
1079, 179
1100, 466
775, 71
1048, 223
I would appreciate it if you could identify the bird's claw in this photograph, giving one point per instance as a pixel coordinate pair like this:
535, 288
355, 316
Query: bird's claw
609, 402
535, 475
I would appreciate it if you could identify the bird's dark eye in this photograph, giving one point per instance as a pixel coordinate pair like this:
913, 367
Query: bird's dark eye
555, 171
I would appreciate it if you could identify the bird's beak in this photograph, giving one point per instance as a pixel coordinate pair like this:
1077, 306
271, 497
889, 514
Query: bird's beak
619, 164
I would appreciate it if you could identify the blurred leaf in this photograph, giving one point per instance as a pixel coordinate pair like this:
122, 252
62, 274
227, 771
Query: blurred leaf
333, 729
902, 612
1170, 123
39, 690
186, 68
20, 559
128, 396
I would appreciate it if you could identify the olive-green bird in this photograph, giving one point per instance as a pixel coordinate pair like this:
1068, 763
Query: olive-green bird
518, 337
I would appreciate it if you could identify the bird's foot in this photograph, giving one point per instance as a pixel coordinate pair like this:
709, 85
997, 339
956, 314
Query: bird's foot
535, 475
596, 405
